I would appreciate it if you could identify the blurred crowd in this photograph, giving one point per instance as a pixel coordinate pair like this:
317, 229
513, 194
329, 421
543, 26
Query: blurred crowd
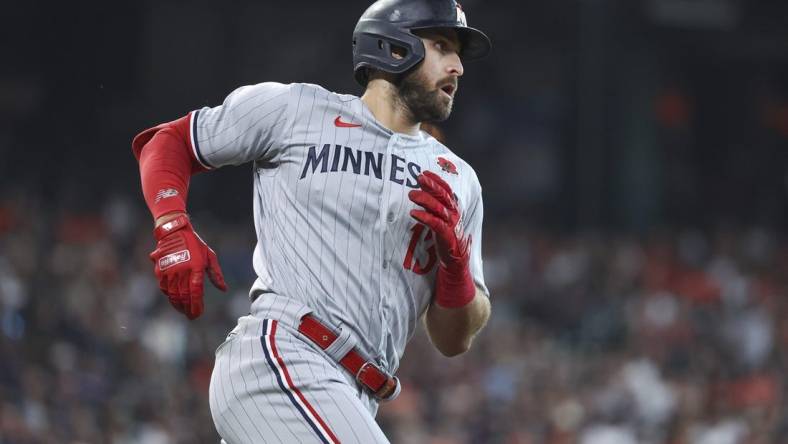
675, 337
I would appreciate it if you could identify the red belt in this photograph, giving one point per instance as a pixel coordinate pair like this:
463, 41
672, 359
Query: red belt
367, 373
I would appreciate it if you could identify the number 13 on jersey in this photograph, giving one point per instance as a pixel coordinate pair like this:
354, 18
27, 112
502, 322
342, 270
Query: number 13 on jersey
413, 264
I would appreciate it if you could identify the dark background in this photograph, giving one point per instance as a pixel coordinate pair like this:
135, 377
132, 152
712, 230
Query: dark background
634, 163
588, 113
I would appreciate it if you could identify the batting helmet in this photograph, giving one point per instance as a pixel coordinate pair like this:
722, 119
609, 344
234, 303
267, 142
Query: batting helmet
390, 23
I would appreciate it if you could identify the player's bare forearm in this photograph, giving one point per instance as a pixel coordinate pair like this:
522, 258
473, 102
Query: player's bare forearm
452, 329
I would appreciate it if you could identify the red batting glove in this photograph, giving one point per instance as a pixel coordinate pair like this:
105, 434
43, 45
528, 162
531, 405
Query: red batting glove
180, 261
454, 287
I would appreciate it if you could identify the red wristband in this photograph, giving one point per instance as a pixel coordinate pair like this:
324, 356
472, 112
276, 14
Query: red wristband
454, 287
171, 226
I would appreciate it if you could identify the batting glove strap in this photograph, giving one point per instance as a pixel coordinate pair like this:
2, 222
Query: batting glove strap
171, 226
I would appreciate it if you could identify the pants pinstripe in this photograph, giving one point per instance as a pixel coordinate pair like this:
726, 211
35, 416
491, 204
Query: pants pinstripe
270, 386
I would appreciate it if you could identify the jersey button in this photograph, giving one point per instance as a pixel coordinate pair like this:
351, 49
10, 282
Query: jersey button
385, 264
390, 216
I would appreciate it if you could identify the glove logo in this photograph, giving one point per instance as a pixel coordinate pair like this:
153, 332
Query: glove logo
173, 259
447, 166
171, 225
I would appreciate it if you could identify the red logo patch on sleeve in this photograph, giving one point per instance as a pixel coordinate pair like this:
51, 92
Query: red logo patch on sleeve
447, 165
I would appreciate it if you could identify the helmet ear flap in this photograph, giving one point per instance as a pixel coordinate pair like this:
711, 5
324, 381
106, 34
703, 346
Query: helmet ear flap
396, 52
384, 47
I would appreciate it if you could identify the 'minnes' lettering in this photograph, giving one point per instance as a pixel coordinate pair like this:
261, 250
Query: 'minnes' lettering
312, 159
351, 160
376, 166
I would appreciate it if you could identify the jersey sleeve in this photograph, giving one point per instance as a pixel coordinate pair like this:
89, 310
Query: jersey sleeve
473, 227
246, 127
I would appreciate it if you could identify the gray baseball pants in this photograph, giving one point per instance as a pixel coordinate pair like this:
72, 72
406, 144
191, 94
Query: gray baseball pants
270, 384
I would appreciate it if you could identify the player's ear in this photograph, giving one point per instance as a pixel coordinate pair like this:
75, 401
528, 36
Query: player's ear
398, 52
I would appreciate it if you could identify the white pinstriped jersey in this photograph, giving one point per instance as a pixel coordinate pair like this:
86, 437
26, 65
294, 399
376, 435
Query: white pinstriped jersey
331, 206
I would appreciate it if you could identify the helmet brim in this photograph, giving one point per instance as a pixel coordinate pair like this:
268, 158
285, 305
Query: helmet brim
474, 43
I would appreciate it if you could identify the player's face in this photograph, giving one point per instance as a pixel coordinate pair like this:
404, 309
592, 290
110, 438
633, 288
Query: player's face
428, 91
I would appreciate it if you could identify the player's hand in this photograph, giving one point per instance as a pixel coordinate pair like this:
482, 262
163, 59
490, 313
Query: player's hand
442, 215
180, 261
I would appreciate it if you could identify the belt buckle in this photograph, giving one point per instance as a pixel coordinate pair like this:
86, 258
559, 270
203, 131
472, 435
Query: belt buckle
388, 387
363, 368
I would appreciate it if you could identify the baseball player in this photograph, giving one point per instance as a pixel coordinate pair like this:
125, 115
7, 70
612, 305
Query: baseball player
364, 225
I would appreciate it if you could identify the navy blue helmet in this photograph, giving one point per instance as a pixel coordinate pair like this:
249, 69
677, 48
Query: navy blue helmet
390, 23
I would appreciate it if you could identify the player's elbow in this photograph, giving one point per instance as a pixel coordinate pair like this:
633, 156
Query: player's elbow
454, 348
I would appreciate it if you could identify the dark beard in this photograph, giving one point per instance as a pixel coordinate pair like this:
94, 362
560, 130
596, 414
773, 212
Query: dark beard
423, 104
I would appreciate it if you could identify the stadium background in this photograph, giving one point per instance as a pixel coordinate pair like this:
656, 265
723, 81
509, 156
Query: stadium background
633, 156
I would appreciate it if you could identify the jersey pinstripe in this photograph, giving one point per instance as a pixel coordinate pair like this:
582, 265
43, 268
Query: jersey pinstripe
331, 210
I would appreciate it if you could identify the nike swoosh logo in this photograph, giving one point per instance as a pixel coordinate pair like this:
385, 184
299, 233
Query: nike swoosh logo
338, 122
